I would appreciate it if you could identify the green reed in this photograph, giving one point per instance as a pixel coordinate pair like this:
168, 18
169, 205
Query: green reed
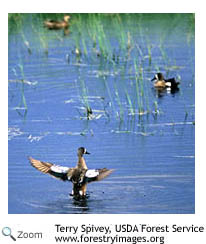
85, 100
23, 99
120, 114
149, 51
42, 39
120, 32
102, 40
130, 103
90, 37
139, 90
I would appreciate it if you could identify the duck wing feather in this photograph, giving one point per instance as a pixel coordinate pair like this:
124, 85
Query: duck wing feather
97, 174
56, 171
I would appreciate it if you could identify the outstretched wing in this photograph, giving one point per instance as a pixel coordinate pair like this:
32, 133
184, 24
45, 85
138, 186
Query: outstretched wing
56, 171
97, 174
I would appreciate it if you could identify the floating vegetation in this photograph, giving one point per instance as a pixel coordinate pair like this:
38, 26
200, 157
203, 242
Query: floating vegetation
69, 101
133, 132
13, 132
26, 82
34, 138
186, 156
69, 133
171, 124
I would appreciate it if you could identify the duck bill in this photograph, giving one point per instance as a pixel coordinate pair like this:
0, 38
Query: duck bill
153, 79
87, 152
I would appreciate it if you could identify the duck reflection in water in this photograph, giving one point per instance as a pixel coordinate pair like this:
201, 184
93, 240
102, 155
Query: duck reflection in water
161, 92
81, 203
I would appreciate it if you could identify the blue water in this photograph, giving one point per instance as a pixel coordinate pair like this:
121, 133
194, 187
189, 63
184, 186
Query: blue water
153, 154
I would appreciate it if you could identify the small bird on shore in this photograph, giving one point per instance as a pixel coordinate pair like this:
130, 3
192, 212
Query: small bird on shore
80, 175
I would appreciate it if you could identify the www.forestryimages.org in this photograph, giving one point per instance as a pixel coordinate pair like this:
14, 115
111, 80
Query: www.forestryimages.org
108, 234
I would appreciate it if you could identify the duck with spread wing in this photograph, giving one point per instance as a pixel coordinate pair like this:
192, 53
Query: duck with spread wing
80, 175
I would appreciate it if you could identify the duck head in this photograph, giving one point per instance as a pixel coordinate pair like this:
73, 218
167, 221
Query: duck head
66, 18
158, 76
81, 151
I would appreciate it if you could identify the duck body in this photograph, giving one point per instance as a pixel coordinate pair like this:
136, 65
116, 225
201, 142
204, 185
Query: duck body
80, 175
161, 82
55, 25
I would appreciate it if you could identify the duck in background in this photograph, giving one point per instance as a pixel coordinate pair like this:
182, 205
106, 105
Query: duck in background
161, 83
55, 25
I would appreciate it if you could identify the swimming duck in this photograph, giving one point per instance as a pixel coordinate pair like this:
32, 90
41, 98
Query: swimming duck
53, 24
80, 176
161, 82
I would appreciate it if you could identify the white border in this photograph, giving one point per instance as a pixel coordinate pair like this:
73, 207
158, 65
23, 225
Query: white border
45, 222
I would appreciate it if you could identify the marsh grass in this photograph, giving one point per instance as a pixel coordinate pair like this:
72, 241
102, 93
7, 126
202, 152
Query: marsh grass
90, 41
23, 99
120, 113
85, 100
130, 103
139, 84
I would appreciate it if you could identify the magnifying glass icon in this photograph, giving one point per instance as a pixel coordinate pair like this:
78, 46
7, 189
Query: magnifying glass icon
6, 231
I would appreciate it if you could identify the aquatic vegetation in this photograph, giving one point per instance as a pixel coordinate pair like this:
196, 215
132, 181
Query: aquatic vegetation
23, 99
122, 59
131, 107
13, 132
84, 98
